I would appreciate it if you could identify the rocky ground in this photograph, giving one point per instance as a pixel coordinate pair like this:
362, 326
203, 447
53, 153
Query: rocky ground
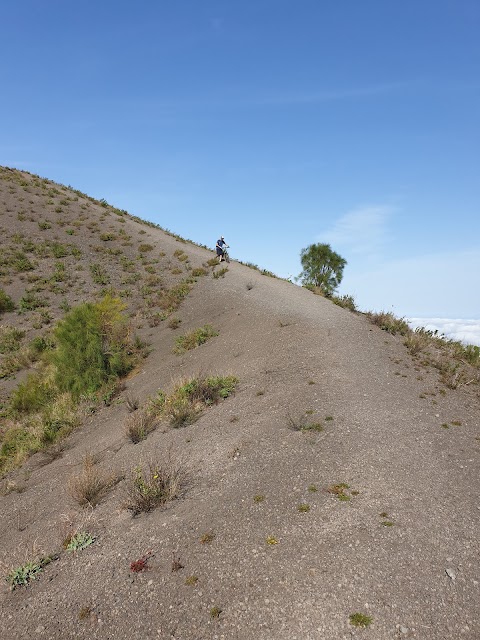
280, 534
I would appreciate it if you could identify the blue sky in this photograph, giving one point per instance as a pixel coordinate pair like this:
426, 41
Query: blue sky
277, 123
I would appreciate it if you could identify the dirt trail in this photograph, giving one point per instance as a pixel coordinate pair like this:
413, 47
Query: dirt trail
414, 569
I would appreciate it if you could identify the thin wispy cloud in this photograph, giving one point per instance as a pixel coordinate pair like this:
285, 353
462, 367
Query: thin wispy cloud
360, 231
422, 285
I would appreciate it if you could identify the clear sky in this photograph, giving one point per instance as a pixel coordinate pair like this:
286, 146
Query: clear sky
277, 123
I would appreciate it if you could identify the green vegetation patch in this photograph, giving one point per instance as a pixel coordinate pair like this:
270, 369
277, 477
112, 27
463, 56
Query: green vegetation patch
191, 396
360, 620
87, 353
6, 303
194, 338
24, 574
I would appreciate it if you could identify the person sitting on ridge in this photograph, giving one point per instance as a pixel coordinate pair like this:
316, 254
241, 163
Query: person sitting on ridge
221, 244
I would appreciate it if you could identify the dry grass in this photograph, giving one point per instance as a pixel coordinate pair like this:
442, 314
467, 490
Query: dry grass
139, 424
92, 484
154, 484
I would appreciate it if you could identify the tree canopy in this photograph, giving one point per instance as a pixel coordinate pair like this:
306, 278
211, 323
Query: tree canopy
322, 267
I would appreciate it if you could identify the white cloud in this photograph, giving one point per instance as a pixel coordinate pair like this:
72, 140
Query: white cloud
360, 231
467, 331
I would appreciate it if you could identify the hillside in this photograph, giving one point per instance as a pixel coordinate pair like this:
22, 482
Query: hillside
340, 477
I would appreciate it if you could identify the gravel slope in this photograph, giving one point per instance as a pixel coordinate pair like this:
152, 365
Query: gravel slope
293, 352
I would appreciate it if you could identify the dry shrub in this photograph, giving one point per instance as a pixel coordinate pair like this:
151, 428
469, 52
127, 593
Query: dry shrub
92, 484
132, 403
139, 425
416, 342
154, 484
389, 322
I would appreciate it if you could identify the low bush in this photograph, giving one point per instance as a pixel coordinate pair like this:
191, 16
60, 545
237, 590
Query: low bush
139, 424
192, 395
94, 347
154, 485
345, 301
194, 338
10, 339
91, 485
388, 322
6, 303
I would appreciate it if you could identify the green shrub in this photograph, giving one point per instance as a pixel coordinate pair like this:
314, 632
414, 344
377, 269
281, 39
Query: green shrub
10, 339
30, 302
93, 347
99, 276
33, 394
6, 303
194, 338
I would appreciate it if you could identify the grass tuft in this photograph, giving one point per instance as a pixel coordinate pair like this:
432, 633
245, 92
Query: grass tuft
194, 339
154, 485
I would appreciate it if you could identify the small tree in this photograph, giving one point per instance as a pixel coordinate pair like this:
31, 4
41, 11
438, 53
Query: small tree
322, 267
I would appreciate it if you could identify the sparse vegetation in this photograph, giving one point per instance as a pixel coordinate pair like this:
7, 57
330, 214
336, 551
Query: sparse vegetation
91, 484
24, 574
192, 395
194, 338
341, 491
360, 620
6, 303
139, 425
301, 423
389, 323
303, 508
215, 612
79, 541
207, 537
154, 484
220, 273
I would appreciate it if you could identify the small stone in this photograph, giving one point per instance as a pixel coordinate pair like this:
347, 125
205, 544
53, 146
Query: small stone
403, 629
40, 629
450, 573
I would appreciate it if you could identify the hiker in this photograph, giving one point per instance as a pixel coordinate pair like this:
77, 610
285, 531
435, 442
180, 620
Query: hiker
221, 244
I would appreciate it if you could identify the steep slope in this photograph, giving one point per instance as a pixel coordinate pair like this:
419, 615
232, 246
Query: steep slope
291, 553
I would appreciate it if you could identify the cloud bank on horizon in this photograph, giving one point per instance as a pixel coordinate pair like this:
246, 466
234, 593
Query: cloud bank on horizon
466, 331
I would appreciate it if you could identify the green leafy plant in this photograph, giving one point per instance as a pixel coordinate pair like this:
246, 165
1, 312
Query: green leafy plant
24, 574
79, 541
340, 491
